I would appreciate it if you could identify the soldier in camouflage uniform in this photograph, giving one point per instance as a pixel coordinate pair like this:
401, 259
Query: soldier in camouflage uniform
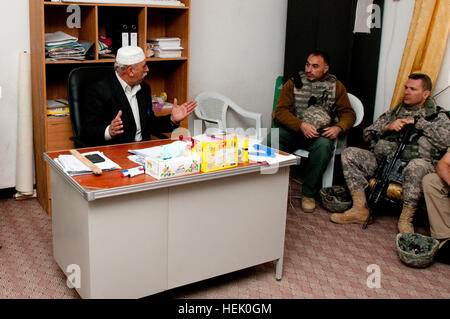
422, 155
312, 110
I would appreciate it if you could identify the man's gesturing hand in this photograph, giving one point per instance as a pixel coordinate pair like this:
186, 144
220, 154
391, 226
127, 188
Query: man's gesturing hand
399, 124
116, 126
180, 112
309, 130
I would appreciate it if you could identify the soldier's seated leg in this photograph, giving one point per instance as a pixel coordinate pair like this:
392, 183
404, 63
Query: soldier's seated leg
357, 164
320, 152
412, 176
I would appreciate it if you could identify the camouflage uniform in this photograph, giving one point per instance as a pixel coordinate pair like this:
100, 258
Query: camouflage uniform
320, 112
423, 156
321, 103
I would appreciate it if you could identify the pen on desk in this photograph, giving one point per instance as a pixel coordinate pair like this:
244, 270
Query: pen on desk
269, 151
131, 172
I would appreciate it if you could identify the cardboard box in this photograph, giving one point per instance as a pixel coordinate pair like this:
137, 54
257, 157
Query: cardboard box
178, 166
216, 153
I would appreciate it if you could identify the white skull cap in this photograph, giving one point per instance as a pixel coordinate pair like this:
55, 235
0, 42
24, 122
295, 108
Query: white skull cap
130, 55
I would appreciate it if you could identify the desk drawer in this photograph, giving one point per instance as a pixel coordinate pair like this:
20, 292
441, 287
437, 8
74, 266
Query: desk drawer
59, 130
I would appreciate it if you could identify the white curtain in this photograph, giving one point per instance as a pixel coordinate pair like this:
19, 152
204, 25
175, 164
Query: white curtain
395, 27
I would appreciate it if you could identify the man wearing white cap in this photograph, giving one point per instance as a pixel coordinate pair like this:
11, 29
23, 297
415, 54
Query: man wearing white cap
119, 107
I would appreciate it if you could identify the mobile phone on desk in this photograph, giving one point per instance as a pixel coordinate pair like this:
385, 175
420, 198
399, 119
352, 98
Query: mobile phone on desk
95, 158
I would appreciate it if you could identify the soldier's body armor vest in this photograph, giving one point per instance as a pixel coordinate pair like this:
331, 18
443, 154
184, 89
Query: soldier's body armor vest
314, 101
420, 147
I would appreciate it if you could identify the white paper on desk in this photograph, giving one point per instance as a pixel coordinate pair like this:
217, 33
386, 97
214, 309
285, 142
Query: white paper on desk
271, 160
267, 159
72, 166
154, 151
144, 152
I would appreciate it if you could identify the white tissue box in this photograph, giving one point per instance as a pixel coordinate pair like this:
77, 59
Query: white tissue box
178, 166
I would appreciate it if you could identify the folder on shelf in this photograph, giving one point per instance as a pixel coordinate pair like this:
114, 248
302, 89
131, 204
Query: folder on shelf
125, 39
133, 35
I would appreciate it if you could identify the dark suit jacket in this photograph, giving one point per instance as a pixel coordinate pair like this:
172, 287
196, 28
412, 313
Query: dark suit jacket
103, 101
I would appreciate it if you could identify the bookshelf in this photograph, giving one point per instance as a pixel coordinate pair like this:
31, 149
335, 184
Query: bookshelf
49, 78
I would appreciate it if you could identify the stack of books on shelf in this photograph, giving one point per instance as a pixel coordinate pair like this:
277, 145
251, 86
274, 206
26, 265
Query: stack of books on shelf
59, 107
166, 47
62, 46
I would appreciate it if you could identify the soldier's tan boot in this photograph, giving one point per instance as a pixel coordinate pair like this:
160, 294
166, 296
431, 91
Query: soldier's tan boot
357, 214
308, 204
405, 220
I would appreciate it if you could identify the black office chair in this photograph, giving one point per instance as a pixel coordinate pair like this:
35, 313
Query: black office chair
79, 80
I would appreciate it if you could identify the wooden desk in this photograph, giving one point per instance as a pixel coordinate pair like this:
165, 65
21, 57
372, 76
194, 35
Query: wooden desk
133, 237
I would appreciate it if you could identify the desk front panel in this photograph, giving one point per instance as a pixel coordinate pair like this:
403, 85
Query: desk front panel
220, 226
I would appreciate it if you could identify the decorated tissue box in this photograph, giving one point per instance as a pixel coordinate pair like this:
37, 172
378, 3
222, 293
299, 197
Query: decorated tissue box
182, 165
216, 152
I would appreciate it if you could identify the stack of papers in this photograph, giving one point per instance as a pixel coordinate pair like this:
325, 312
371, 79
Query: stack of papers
72, 166
263, 154
144, 152
166, 47
59, 107
58, 38
62, 46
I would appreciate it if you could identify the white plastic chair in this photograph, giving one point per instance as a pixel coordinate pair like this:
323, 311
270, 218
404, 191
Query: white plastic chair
212, 110
339, 144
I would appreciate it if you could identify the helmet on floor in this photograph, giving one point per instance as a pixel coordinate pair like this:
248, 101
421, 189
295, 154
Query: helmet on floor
336, 199
416, 250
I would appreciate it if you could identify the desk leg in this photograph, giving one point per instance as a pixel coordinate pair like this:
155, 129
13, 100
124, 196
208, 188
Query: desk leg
279, 269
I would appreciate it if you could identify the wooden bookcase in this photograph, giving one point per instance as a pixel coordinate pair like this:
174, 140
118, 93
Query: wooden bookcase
49, 78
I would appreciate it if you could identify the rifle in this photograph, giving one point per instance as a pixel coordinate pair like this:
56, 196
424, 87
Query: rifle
389, 170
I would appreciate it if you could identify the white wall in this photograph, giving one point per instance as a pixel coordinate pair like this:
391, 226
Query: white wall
237, 49
14, 38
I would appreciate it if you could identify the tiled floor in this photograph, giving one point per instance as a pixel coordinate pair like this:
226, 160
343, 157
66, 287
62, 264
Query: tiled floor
322, 260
